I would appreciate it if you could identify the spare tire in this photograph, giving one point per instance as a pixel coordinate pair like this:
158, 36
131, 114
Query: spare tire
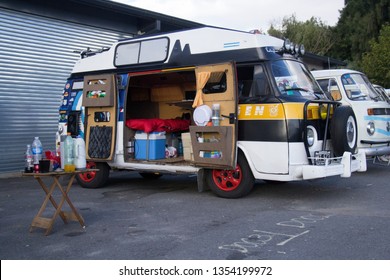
344, 131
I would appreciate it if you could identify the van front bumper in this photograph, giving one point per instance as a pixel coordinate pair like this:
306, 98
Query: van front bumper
343, 166
379, 149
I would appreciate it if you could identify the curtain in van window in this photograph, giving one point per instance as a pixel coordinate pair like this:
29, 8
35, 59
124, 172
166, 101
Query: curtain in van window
201, 80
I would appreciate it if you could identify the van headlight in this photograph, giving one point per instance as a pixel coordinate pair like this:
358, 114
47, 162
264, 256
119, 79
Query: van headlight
310, 135
371, 128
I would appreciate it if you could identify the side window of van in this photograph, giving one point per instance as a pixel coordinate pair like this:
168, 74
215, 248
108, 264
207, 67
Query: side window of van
252, 84
216, 83
330, 86
260, 86
245, 80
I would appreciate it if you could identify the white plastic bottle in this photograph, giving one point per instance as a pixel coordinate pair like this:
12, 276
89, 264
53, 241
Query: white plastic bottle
79, 153
36, 148
62, 151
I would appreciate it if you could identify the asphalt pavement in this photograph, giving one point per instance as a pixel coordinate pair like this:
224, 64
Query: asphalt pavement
168, 219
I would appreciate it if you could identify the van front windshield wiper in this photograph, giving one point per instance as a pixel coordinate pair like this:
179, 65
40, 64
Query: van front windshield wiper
318, 94
296, 88
376, 98
358, 96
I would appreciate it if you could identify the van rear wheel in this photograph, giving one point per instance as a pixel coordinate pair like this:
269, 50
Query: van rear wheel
94, 179
233, 183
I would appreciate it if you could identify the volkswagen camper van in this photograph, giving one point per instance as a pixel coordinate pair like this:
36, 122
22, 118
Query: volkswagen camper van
236, 106
372, 110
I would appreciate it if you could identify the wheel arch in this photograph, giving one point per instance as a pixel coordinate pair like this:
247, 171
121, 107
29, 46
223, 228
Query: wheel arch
241, 148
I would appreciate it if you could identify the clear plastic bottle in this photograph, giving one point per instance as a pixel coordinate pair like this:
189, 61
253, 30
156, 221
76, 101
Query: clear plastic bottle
29, 168
216, 117
36, 150
68, 154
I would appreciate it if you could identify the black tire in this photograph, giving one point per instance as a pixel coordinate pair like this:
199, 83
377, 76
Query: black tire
93, 180
231, 183
150, 175
344, 131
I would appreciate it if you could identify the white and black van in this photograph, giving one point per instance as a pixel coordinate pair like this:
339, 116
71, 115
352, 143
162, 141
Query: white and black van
146, 104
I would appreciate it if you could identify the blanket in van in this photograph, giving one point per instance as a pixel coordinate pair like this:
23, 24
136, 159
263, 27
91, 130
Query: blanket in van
158, 125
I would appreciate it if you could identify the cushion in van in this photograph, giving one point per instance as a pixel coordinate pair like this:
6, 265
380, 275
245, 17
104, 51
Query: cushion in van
158, 125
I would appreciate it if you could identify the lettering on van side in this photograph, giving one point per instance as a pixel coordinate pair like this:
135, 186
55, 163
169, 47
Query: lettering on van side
257, 111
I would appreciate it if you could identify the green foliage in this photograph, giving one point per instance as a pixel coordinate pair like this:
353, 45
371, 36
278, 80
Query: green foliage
313, 33
359, 22
376, 62
357, 38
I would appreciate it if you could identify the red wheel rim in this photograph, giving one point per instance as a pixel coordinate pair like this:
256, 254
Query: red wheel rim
88, 176
227, 180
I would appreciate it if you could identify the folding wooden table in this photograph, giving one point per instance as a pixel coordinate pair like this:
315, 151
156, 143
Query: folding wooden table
73, 215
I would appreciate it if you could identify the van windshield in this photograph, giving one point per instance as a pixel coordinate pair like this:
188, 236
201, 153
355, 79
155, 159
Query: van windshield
358, 87
293, 79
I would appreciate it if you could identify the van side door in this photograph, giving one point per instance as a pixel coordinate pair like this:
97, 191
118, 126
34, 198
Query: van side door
99, 100
216, 146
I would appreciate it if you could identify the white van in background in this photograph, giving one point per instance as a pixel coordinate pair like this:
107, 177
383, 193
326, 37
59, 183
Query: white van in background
372, 110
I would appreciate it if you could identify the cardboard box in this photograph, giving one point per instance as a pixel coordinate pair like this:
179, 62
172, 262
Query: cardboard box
149, 146
167, 93
188, 154
187, 146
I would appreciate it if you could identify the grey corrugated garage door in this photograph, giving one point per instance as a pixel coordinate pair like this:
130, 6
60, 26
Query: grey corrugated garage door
36, 57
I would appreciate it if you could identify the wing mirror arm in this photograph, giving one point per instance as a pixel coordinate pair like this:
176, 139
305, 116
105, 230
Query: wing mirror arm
232, 118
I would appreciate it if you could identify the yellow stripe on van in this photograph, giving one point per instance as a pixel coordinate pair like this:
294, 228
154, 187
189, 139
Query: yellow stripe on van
178, 69
295, 111
278, 111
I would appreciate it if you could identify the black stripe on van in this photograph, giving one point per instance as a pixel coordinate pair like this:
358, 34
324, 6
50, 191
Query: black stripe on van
276, 130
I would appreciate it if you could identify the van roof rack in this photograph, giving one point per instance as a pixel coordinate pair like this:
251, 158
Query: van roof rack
88, 52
